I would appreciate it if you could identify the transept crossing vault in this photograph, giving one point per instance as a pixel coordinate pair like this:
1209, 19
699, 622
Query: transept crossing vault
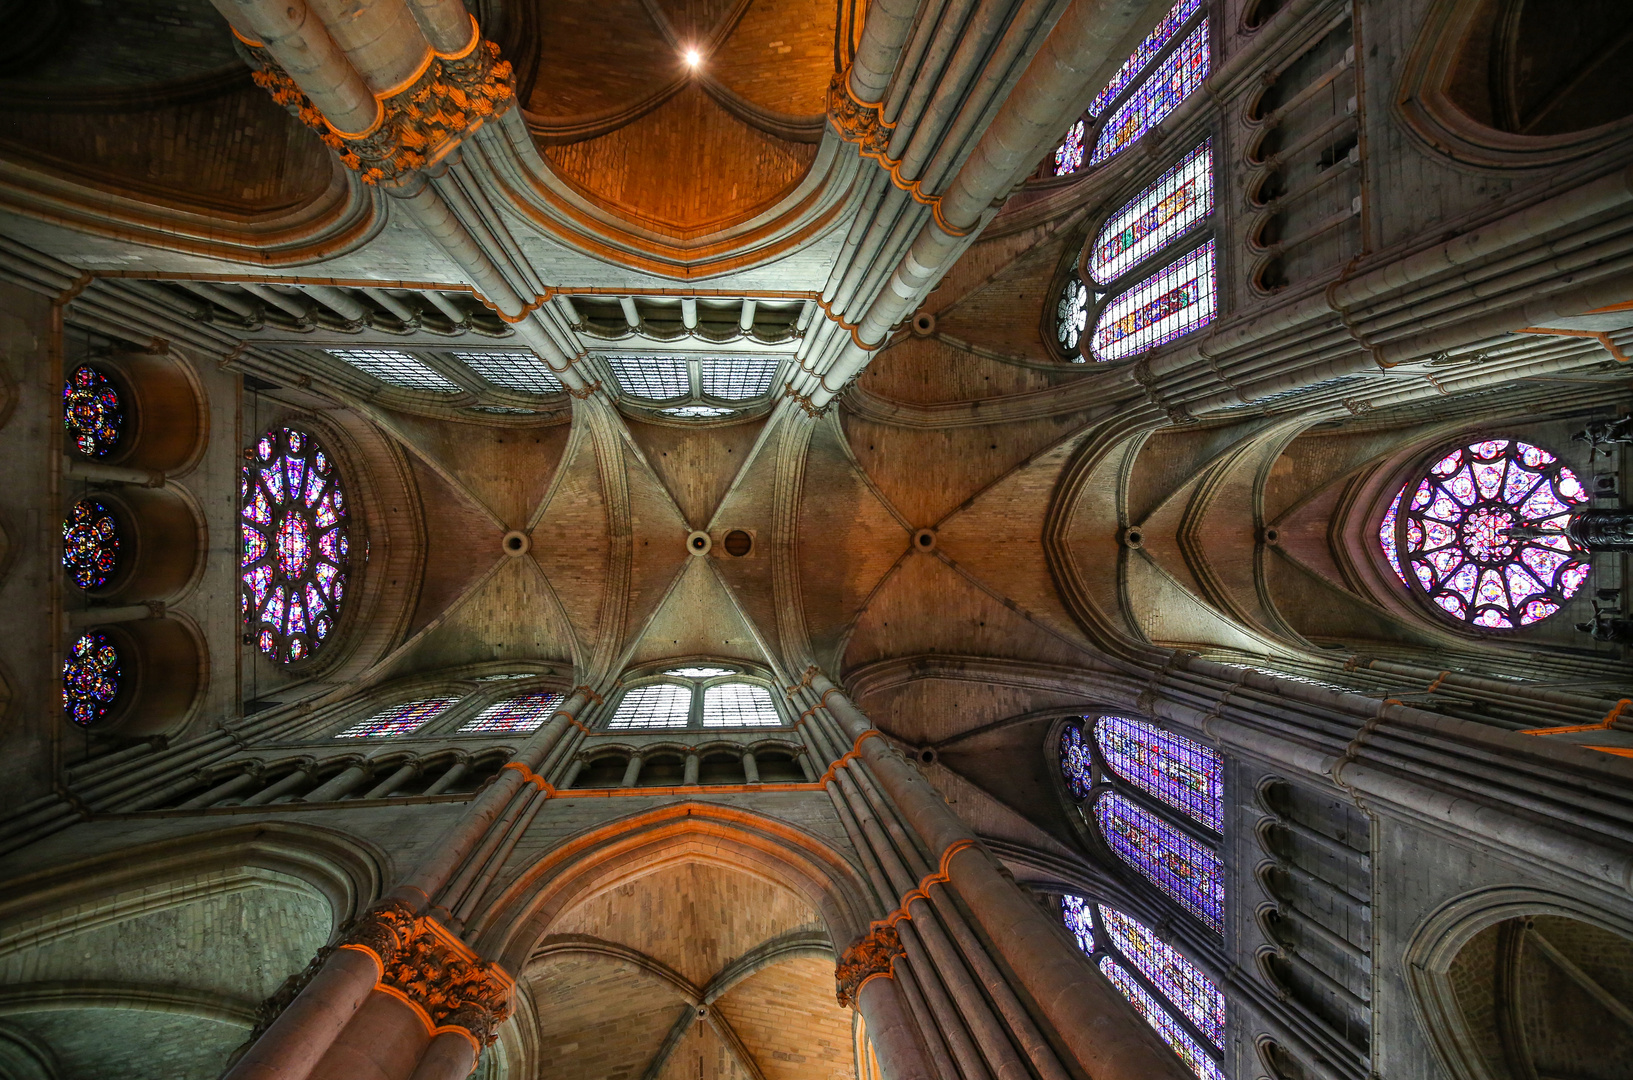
811, 540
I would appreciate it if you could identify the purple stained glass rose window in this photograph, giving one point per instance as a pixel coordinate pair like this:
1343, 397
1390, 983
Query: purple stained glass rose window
1076, 764
1069, 154
1077, 914
90, 679
1180, 981
1158, 96
1186, 870
1184, 774
1172, 1032
1482, 534
92, 411
90, 543
295, 551
1153, 44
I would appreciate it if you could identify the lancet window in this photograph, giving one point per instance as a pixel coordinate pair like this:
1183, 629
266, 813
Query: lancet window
1183, 1005
692, 697
526, 712
1480, 534
90, 679
1156, 800
399, 719
295, 548
92, 411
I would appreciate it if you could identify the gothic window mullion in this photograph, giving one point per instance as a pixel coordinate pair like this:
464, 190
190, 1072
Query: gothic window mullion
1107, 947
1137, 79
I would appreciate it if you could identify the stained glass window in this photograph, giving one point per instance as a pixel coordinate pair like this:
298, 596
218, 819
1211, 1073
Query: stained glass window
657, 378
90, 679
659, 705
697, 412
513, 370
1075, 911
399, 719
295, 550
1069, 154
1151, 46
525, 713
1180, 981
1075, 761
90, 543
1170, 303
739, 705
1184, 774
1158, 96
738, 379
1386, 536
1456, 534
1072, 315
1178, 865
92, 411
699, 672
1179, 199
1170, 1029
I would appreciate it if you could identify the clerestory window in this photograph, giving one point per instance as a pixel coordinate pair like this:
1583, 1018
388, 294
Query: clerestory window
704, 388
696, 697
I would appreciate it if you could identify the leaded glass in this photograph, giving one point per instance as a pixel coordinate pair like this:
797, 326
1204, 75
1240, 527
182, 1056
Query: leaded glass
739, 705
1158, 96
399, 719
1205, 1067
1152, 45
90, 543
90, 679
1456, 534
1072, 315
1386, 536
658, 705
1069, 154
695, 412
1170, 303
397, 368
294, 550
1180, 981
1175, 863
737, 379
513, 370
1075, 761
92, 412
699, 672
1184, 774
1076, 912
1147, 223
524, 713
657, 378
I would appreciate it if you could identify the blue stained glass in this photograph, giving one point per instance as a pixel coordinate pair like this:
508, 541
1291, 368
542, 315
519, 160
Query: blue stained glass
1151, 46
1148, 222
524, 713
1205, 1067
1171, 860
1069, 154
1184, 774
314, 601
295, 473
92, 412
1076, 762
314, 487
1171, 303
1075, 911
273, 478
90, 679
398, 719
1157, 97
90, 544
1180, 981
255, 546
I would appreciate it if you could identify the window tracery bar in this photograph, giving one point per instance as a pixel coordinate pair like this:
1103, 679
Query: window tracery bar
1153, 44
1181, 773
1169, 304
399, 719
656, 378
513, 370
1197, 1059
653, 705
1076, 762
90, 679
739, 705
90, 543
737, 379
1171, 860
525, 713
1483, 534
1179, 980
1157, 97
92, 412
1147, 223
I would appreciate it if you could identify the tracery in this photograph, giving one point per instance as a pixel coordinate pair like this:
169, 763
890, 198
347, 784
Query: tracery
696, 696
92, 411
1072, 316
90, 679
399, 719
295, 548
526, 712
90, 543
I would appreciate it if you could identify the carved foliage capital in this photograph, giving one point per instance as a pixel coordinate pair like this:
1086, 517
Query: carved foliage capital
856, 122
872, 955
382, 930
437, 972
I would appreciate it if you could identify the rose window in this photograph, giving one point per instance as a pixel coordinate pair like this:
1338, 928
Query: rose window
293, 526
92, 411
1072, 314
1069, 154
90, 543
1483, 534
90, 679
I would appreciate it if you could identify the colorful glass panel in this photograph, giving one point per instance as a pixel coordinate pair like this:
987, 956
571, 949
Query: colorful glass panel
1069, 154
1157, 97
524, 713
1180, 981
1170, 303
293, 533
1147, 223
1072, 315
1170, 859
1153, 44
1184, 774
1175, 1035
1076, 912
90, 679
399, 719
1483, 534
1076, 762
92, 412
90, 543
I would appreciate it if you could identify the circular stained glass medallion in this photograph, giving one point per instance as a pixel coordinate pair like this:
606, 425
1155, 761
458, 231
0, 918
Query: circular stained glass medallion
90, 679
295, 550
90, 543
1482, 534
92, 411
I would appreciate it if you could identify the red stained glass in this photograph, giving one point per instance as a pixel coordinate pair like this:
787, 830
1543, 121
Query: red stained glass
92, 411
90, 544
90, 679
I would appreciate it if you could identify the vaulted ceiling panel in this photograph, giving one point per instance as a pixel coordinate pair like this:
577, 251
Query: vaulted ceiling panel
696, 464
509, 469
461, 544
572, 542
